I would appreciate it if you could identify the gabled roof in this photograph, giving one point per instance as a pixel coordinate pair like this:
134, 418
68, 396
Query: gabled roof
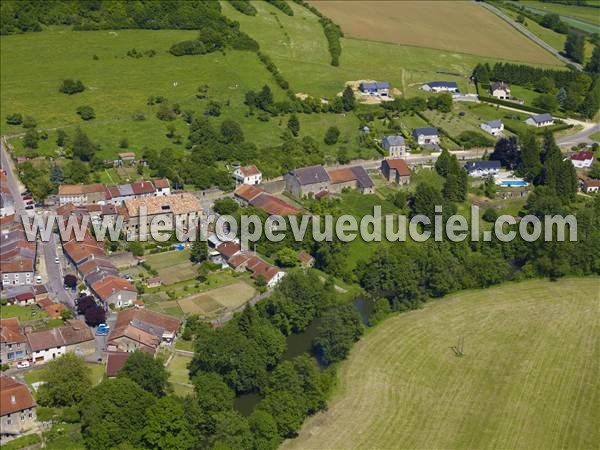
499, 85
398, 165
41, 340
14, 396
541, 118
585, 155
80, 189
76, 331
247, 192
310, 175
182, 203
162, 183
393, 140
441, 84
228, 249
494, 123
238, 259
126, 320
115, 362
111, 284
305, 257
125, 190
10, 331
426, 131
273, 205
142, 187
482, 165
249, 171
374, 85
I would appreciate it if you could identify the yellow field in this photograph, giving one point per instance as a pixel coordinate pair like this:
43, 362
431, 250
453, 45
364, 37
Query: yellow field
212, 302
458, 26
528, 378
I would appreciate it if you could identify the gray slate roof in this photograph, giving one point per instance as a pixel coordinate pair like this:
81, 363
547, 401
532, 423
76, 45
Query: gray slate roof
374, 86
539, 118
125, 190
311, 175
363, 178
482, 165
428, 131
393, 140
499, 85
494, 123
440, 84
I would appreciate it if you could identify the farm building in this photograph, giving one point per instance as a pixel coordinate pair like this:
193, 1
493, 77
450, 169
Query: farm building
589, 185
395, 146
396, 171
440, 86
353, 178
306, 180
540, 120
493, 127
18, 408
141, 329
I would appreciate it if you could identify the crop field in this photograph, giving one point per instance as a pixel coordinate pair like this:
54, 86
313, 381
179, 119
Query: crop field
210, 303
448, 25
528, 377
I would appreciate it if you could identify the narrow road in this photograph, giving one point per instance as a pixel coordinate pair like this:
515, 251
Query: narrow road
583, 137
13, 183
529, 34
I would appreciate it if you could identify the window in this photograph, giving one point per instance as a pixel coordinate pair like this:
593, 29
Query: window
11, 356
8, 421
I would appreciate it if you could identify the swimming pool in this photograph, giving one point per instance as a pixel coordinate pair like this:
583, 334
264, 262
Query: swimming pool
513, 183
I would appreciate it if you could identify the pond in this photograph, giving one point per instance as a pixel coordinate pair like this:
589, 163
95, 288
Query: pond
296, 345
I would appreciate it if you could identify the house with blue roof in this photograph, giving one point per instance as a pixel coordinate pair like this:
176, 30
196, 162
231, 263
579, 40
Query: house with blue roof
493, 127
440, 86
395, 146
429, 137
378, 88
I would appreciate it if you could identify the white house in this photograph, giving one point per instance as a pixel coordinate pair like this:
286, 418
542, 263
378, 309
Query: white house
247, 175
46, 345
582, 160
395, 146
540, 120
493, 127
482, 168
426, 136
440, 86
500, 90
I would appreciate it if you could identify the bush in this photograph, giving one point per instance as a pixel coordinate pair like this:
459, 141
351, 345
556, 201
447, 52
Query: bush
86, 112
470, 139
29, 122
282, 6
71, 87
490, 215
14, 119
22, 442
166, 113
244, 7
332, 135
188, 48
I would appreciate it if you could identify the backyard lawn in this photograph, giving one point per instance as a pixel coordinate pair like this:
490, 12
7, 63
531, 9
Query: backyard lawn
179, 374
23, 313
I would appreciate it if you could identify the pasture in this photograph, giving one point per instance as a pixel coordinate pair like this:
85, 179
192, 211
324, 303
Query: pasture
586, 18
212, 302
173, 266
528, 377
463, 27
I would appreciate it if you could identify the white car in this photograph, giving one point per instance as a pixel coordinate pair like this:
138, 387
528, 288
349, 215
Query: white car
57, 260
38, 279
22, 364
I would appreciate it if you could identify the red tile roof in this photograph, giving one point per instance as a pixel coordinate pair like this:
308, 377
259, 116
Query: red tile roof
273, 205
399, 165
10, 331
248, 171
105, 287
247, 192
14, 396
228, 249
161, 183
582, 156
115, 362
142, 187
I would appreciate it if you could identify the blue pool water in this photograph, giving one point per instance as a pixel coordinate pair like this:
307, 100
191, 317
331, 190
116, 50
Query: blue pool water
513, 183
179, 247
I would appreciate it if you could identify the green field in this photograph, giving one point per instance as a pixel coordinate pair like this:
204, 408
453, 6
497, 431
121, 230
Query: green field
179, 374
528, 378
585, 18
595, 136
23, 313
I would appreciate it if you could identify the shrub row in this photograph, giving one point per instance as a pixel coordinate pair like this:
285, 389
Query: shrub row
244, 7
282, 6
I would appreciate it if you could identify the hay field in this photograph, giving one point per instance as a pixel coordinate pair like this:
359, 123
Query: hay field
528, 379
209, 303
457, 26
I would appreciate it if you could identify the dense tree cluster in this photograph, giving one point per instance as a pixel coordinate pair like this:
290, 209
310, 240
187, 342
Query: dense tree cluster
282, 6
244, 6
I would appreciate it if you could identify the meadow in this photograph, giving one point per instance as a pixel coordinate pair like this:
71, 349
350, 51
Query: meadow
586, 18
463, 27
527, 377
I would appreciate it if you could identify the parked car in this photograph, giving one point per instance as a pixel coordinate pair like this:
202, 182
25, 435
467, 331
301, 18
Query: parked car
27, 197
57, 260
38, 279
29, 207
102, 329
25, 192
22, 364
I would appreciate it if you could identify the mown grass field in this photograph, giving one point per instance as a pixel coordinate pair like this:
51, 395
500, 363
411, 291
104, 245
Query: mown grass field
528, 379
463, 27
586, 18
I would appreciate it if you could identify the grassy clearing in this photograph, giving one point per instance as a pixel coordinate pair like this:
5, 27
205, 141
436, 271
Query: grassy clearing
453, 26
528, 378
23, 313
179, 374
38, 374
211, 302
595, 136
